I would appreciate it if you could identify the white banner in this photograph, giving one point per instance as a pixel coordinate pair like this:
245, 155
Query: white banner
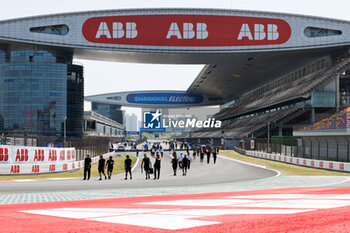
48, 167
329, 165
35, 155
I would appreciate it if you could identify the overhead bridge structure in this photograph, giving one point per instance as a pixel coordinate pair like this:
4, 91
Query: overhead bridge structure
241, 51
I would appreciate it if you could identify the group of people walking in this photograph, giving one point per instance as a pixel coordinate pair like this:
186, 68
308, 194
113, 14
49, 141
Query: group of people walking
183, 162
206, 151
102, 165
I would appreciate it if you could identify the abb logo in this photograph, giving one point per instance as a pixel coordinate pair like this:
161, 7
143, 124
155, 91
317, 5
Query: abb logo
39, 155
4, 154
52, 168
62, 155
52, 155
65, 167
15, 169
35, 169
73, 165
259, 32
186, 30
22, 155
68, 154
118, 31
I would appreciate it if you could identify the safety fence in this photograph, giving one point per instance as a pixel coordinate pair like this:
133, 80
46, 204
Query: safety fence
35, 160
87, 145
322, 164
330, 148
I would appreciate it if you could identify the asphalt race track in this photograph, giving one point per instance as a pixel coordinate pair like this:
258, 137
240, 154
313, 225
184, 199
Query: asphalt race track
266, 211
203, 201
224, 171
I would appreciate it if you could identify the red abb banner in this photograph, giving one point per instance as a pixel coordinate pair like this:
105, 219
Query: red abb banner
186, 30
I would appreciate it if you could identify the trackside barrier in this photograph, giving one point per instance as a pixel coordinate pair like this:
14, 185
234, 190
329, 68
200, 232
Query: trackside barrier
35, 155
48, 163
329, 165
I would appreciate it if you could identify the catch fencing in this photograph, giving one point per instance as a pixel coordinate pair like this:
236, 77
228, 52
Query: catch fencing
335, 148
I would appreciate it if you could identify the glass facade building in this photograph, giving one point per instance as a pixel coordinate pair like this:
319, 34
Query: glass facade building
39, 89
110, 111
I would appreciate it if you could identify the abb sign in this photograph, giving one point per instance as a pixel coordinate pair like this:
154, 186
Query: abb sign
39, 155
52, 168
52, 155
186, 30
34, 155
22, 155
15, 169
35, 168
4, 154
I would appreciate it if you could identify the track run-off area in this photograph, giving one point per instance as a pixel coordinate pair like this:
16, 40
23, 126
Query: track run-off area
229, 196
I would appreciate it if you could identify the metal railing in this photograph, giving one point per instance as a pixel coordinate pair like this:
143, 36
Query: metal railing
335, 148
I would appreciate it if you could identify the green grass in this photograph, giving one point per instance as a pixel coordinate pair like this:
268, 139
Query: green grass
118, 168
287, 169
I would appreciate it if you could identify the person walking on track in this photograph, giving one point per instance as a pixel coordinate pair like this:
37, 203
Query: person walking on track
174, 163
146, 164
188, 161
181, 157
110, 163
208, 155
102, 167
214, 154
87, 167
201, 155
184, 165
127, 166
156, 167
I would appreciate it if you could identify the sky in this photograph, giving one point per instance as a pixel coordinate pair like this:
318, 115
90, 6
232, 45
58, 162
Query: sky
107, 77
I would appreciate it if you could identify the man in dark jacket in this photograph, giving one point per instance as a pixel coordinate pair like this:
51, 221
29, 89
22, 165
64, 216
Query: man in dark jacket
87, 167
156, 166
110, 164
174, 163
127, 166
146, 165
101, 167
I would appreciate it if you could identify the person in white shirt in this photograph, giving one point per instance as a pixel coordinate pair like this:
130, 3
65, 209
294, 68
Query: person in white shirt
188, 161
181, 157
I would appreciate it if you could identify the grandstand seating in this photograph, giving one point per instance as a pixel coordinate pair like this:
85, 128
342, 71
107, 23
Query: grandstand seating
249, 116
242, 127
340, 120
299, 88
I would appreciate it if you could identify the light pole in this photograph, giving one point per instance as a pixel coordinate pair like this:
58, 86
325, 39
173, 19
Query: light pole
64, 129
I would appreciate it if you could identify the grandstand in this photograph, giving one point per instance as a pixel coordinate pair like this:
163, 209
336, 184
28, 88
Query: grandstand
339, 120
288, 103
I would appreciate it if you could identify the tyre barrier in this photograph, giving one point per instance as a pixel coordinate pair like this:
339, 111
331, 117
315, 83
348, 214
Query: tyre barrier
313, 163
16, 160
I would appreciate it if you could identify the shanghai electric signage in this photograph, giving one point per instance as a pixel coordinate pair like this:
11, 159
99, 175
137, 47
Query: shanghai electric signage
164, 98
